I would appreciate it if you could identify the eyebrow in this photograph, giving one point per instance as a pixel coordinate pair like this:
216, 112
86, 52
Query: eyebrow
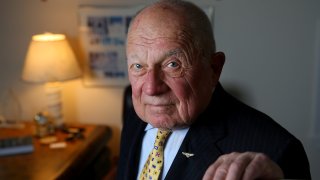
173, 52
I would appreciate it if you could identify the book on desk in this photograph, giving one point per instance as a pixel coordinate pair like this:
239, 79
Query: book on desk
16, 145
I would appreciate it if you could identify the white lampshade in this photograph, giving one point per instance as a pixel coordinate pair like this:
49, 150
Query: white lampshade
50, 59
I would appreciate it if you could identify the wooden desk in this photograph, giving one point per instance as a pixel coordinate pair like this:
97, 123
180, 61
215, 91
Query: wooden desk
75, 161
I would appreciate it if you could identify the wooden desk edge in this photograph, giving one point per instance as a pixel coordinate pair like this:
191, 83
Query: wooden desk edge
98, 139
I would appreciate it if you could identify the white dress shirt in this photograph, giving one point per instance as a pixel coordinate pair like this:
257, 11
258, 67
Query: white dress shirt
170, 150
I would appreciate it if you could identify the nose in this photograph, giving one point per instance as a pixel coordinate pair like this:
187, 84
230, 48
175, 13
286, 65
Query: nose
154, 84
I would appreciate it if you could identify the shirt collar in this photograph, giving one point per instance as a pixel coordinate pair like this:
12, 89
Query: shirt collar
149, 127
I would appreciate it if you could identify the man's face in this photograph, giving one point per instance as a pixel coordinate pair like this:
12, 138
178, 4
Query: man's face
171, 85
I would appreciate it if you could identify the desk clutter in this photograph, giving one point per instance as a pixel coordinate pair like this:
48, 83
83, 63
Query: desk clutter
43, 131
72, 134
24, 144
74, 151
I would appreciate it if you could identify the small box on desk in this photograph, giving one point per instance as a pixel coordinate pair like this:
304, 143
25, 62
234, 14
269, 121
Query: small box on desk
16, 145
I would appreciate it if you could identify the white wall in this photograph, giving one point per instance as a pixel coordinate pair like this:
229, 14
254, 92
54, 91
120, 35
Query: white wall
270, 49
269, 45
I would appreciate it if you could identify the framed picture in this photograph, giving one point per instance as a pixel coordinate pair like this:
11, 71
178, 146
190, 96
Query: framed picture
103, 37
103, 31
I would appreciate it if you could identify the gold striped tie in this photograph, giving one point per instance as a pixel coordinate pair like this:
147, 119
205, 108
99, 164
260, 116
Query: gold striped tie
153, 166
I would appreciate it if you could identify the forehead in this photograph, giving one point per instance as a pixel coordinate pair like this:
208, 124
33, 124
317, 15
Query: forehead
158, 22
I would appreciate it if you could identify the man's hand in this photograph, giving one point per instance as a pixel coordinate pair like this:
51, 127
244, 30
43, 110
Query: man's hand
246, 166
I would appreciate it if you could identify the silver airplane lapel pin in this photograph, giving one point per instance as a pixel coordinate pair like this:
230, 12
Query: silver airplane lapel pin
187, 154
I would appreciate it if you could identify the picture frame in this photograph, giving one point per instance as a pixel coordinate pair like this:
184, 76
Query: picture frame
103, 32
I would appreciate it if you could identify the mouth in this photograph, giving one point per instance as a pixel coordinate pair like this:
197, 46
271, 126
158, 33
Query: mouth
158, 103
159, 106
162, 104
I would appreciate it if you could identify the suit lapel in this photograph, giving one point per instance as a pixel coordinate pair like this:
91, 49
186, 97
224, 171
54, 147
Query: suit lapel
201, 140
134, 150
203, 147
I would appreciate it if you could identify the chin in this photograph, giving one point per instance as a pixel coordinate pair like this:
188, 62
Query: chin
167, 123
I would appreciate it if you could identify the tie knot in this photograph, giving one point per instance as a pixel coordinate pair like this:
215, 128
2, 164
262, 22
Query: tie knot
161, 137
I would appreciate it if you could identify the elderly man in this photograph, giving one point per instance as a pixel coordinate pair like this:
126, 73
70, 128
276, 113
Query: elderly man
185, 126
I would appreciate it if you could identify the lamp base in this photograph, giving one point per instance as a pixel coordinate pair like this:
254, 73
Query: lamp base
54, 103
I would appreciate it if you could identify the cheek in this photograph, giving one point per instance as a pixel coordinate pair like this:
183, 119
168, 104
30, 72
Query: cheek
192, 94
136, 100
136, 93
136, 85
182, 91
136, 89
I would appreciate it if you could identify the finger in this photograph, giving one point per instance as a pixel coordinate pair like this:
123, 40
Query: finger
254, 169
212, 169
222, 170
238, 166
262, 167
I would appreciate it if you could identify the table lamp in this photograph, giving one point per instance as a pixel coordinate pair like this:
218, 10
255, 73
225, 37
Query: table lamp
51, 60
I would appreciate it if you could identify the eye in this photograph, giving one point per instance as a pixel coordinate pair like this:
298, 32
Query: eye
173, 68
137, 66
137, 69
173, 64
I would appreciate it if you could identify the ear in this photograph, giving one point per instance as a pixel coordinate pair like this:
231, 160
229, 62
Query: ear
217, 62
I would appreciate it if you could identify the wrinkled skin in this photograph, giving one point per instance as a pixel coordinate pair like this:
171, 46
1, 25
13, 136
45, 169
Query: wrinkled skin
171, 83
244, 166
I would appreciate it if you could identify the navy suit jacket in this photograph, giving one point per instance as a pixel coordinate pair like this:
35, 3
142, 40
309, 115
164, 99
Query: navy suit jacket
226, 126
